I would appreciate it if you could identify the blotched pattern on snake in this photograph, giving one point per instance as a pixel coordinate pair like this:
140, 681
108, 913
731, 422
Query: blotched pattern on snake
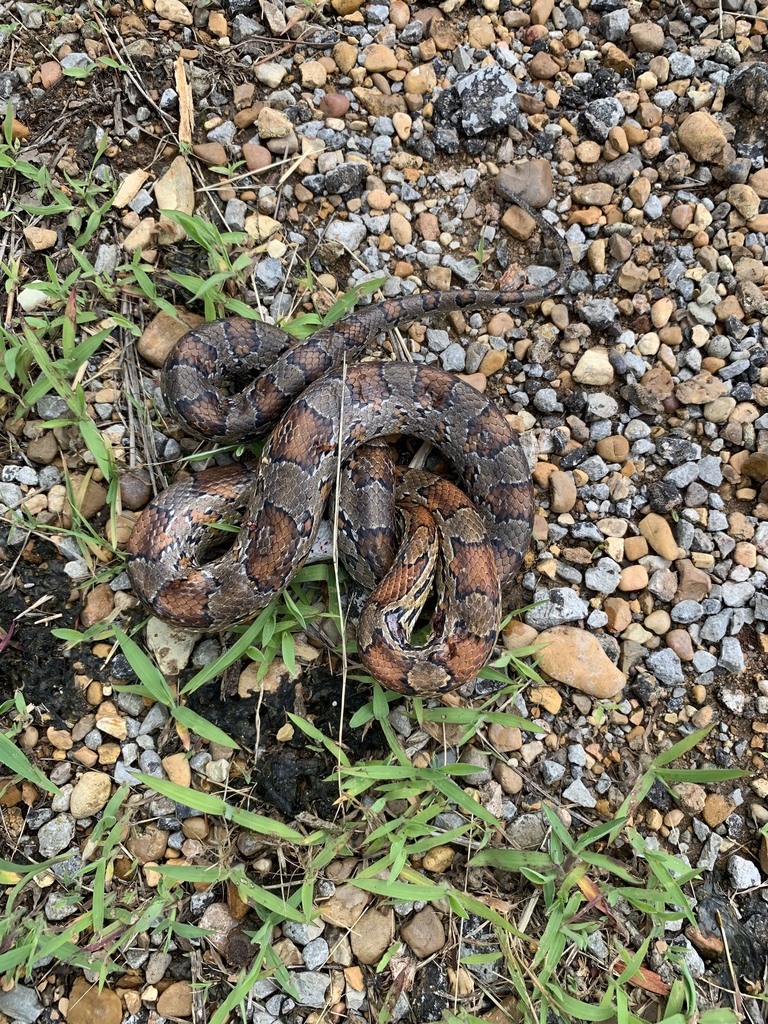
327, 410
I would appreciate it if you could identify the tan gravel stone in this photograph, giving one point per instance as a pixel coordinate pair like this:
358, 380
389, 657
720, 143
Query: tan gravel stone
421, 80
594, 368
176, 1000
345, 56
217, 24
701, 137
142, 236
173, 10
438, 859
517, 634
40, 238
177, 769
480, 33
88, 1005
588, 152
575, 657
98, 605
562, 490
148, 845
163, 332
543, 66
175, 190
256, 157
694, 584
313, 74
529, 179
596, 194
720, 409
691, 797
509, 780
380, 58
50, 73
43, 449
90, 795
716, 809
658, 533
546, 697
518, 223
619, 614
647, 36
661, 311
211, 153
700, 389
745, 200
345, 906
755, 466
658, 622
633, 577
89, 498
372, 934
504, 738
273, 124
400, 228
632, 278
493, 361
613, 449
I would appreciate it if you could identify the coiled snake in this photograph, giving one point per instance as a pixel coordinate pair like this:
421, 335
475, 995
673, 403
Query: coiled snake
327, 410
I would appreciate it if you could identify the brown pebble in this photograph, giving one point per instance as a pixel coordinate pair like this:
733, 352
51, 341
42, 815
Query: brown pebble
716, 809
135, 489
333, 104
613, 449
211, 153
98, 605
680, 642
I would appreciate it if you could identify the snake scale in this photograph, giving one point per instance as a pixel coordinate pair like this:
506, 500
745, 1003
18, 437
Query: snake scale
324, 410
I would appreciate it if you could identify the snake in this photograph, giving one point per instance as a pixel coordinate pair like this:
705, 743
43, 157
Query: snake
237, 378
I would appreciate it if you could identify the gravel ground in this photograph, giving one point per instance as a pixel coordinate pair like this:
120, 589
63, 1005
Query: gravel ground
641, 393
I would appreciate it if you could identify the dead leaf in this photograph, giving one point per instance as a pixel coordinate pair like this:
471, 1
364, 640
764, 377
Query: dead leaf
647, 980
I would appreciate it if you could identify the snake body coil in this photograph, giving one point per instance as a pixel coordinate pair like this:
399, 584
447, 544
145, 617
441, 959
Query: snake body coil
327, 411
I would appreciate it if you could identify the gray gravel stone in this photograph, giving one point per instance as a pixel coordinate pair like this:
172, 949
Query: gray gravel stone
453, 358
351, 233
302, 933
710, 851
315, 953
599, 313
614, 25
310, 987
20, 1003
527, 832
731, 655
714, 629
56, 835
577, 793
59, 906
561, 605
686, 612
603, 577
551, 772
666, 666
743, 873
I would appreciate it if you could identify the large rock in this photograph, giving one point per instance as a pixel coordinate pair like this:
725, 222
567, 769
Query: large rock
575, 657
480, 102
